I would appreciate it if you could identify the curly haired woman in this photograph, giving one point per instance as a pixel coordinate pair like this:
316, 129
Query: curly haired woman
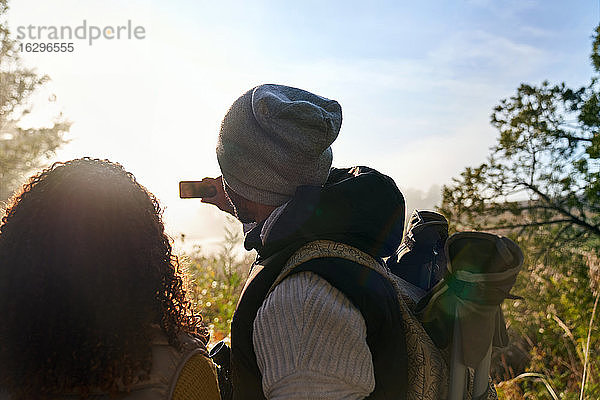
91, 301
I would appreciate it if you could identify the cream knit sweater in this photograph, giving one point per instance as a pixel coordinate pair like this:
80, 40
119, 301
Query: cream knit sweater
310, 342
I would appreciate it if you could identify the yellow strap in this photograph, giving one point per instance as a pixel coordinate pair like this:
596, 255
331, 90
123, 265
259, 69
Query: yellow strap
197, 380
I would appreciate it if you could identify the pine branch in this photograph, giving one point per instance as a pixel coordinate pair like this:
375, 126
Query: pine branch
526, 225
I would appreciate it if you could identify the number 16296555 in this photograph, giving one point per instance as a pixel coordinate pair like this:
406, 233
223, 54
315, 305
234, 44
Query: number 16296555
46, 47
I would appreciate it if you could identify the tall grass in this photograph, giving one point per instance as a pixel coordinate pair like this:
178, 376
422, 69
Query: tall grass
587, 348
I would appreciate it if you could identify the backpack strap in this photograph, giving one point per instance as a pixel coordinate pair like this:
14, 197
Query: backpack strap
325, 249
329, 248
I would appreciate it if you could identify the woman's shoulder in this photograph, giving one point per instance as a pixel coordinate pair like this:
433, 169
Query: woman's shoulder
197, 380
194, 374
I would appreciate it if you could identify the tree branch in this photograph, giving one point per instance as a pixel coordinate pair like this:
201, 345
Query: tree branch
573, 138
574, 219
539, 223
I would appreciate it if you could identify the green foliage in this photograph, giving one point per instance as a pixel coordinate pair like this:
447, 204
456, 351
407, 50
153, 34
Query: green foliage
21, 150
216, 281
540, 186
553, 319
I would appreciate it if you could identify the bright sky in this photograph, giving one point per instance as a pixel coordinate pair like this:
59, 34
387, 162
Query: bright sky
416, 80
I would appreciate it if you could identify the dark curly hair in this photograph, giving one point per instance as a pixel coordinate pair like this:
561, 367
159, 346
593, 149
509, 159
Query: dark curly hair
86, 271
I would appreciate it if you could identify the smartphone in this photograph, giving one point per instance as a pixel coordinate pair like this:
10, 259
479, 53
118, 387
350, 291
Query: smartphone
196, 189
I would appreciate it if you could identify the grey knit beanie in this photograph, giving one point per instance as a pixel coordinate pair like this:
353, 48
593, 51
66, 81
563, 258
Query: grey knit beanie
275, 138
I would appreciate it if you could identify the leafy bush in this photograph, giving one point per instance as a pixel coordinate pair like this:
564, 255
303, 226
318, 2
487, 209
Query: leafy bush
216, 281
559, 287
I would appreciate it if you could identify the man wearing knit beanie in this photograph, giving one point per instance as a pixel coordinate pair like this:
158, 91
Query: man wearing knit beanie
306, 336
275, 138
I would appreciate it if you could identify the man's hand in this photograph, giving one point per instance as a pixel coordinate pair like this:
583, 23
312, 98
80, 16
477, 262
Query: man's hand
220, 199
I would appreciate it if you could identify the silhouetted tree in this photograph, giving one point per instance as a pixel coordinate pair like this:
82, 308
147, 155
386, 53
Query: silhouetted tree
544, 168
21, 150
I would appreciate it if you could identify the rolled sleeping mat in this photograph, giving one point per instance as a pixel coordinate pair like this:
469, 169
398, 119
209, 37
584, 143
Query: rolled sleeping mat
465, 305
